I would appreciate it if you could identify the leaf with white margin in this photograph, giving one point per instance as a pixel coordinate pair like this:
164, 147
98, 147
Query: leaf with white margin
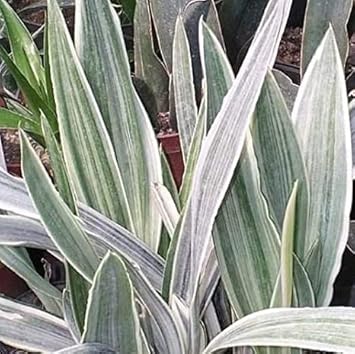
323, 329
321, 117
111, 316
60, 223
30, 329
221, 150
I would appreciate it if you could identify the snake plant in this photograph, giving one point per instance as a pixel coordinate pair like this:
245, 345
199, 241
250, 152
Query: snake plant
256, 231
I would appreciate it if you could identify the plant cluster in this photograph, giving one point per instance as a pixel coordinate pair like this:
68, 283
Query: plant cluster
243, 255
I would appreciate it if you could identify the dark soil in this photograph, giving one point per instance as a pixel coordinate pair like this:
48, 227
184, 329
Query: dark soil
38, 16
290, 46
11, 146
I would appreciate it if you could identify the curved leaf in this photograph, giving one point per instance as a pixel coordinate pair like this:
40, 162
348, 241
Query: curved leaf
31, 329
60, 223
328, 329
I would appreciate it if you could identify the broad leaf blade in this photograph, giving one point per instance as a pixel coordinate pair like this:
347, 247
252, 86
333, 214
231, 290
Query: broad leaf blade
14, 196
321, 116
217, 72
60, 223
280, 161
20, 231
183, 84
91, 164
164, 15
196, 142
246, 241
147, 65
98, 31
319, 14
166, 206
58, 165
31, 329
240, 20
86, 348
324, 329
111, 316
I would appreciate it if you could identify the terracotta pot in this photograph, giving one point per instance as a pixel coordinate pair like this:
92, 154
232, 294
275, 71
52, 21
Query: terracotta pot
171, 146
10, 284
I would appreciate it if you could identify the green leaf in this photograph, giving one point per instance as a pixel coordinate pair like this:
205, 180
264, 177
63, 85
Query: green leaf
19, 231
36, 101
303, 295
240, 20
221, 150
47, 69
166, 334
164, 15
246, 241
183, 84
323, 329
319, 14
14, 196
78, 294
111, 316
321, 116
12, 120
114, 237
147, 65
217, 72
98, 31
30, 329
58, 165
195, 148
280, 161
91, 164
287, 237
64, 230
24, 51
103, 232
166, 206
69, 316
129, 7
86, 348
288, 88
19, 262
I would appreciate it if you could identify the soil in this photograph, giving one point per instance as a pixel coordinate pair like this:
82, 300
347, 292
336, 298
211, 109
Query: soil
290, 46
37, 17
11, 146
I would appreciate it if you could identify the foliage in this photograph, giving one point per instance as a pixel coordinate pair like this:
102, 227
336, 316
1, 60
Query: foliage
264, 203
